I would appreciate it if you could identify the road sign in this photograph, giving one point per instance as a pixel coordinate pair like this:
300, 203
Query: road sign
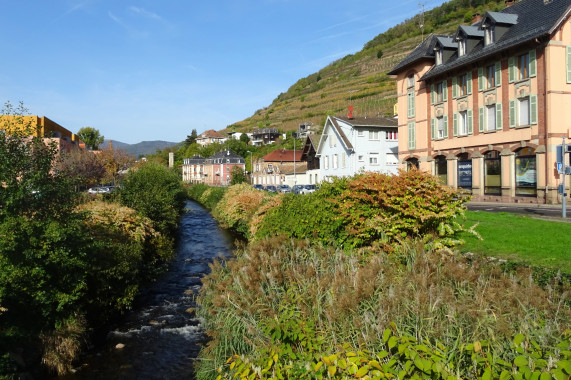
559, 167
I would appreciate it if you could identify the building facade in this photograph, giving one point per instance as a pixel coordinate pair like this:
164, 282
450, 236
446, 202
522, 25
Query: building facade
265, 136
350, 145
210, 137
484, 108
213, 171
273, 168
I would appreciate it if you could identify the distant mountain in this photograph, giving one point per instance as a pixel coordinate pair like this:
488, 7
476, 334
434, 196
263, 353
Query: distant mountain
140, 149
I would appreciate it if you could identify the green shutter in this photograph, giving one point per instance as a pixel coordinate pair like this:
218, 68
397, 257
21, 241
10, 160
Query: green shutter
410, 104
499, 123
532, 64
480, 78
445, 126
512, 113
411, 135
498, 73
533, 109
568, 63
481, 119
469, 79
432, 129
454, 87
470, 123
455, 124
511, 69
444, 91
432, 94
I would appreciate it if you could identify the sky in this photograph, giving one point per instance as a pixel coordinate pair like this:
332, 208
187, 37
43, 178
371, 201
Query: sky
141, 70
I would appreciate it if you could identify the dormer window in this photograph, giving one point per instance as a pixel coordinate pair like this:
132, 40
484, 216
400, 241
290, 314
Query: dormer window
462, 47
489, 35
410, 81
438, 57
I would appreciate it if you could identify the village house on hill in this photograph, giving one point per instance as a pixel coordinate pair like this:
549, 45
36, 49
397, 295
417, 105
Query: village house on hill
351, 145
486, 107
210, 137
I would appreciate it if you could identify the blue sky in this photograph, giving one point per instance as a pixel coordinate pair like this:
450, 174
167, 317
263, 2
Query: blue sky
141, 70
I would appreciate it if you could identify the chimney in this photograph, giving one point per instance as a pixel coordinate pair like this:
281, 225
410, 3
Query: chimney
171, 159
509, 3
476, 17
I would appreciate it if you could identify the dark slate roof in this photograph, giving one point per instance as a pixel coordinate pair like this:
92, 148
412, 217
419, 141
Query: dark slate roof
470, 31
224, 155
447, 42
424, 50
535, 19
502, 17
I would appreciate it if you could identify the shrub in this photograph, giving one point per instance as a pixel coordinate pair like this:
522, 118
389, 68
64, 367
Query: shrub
157, 193
212, 196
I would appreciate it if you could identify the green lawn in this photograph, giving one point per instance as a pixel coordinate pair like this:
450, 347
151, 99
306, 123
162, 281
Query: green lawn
520, 238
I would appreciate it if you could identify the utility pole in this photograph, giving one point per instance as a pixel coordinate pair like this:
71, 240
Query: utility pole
421, 23
251, 170
294, 135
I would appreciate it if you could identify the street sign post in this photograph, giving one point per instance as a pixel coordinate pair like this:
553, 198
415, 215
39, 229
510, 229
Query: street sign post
561, 160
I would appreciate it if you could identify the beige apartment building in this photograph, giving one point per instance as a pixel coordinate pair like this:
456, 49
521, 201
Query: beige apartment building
486, 107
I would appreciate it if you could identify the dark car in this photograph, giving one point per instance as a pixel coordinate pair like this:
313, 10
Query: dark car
297, 188
271, 188
258, 187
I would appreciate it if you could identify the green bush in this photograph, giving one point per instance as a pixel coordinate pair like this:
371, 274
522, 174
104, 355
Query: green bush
212, 196
157, 193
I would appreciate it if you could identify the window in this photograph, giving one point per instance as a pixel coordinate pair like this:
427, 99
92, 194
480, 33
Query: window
462, 47
360, 133
344, 160
361, 158
392, 159
391, 135
439, 127
326, 162
335, 161
489, 34
492, 173
441, 168
410, 104
568, 62
438, 57
412, 163
463, 123
490, 76
523, 111
411, 135
373, 158
410, 81
525, 172
464, 85
523, 66
490, 118
373, 135
332, 140
438, 92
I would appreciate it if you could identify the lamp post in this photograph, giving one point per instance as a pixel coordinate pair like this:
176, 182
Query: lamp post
294, 135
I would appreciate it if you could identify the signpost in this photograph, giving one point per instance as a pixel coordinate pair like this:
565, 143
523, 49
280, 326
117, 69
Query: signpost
561, 150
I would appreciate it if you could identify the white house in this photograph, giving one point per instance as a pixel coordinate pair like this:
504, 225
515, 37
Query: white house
361, 144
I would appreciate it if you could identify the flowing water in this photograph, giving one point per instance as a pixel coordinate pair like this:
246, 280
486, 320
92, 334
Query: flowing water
162, 336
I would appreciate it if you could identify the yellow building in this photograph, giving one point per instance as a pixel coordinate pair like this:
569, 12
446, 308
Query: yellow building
40, 127
486, 107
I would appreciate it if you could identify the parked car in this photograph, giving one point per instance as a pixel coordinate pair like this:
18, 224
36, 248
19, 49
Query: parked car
101, 190
270, 188
258, 187
296, 188
308, 189
284, 189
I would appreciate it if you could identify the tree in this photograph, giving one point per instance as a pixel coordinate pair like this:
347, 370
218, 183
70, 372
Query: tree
244, 138
91, 137
83, 167
115, 162
237, 176
191, 139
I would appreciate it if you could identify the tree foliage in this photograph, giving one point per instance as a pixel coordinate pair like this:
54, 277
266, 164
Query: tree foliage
91, 137
191, 139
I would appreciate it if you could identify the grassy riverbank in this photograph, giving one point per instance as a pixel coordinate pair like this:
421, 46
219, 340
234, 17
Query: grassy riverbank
362, 279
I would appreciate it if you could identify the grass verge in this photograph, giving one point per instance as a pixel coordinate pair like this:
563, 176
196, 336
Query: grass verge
520, 238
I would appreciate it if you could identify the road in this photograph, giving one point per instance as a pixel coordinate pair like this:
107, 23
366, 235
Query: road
542, 211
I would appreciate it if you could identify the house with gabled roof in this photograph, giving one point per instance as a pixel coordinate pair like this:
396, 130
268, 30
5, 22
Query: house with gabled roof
350, 145
274, 167
210, 137
485, 106
309, 155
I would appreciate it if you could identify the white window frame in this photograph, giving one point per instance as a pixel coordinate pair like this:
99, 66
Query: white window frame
374, 135
361, 158
491, 116
440, 131
335, 162
463, 123
360, 133
392, 158
374, 159
326, 162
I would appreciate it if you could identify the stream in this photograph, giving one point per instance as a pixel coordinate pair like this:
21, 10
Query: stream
161, 337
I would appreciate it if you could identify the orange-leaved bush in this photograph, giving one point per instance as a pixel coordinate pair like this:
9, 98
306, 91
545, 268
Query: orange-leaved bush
389, 208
